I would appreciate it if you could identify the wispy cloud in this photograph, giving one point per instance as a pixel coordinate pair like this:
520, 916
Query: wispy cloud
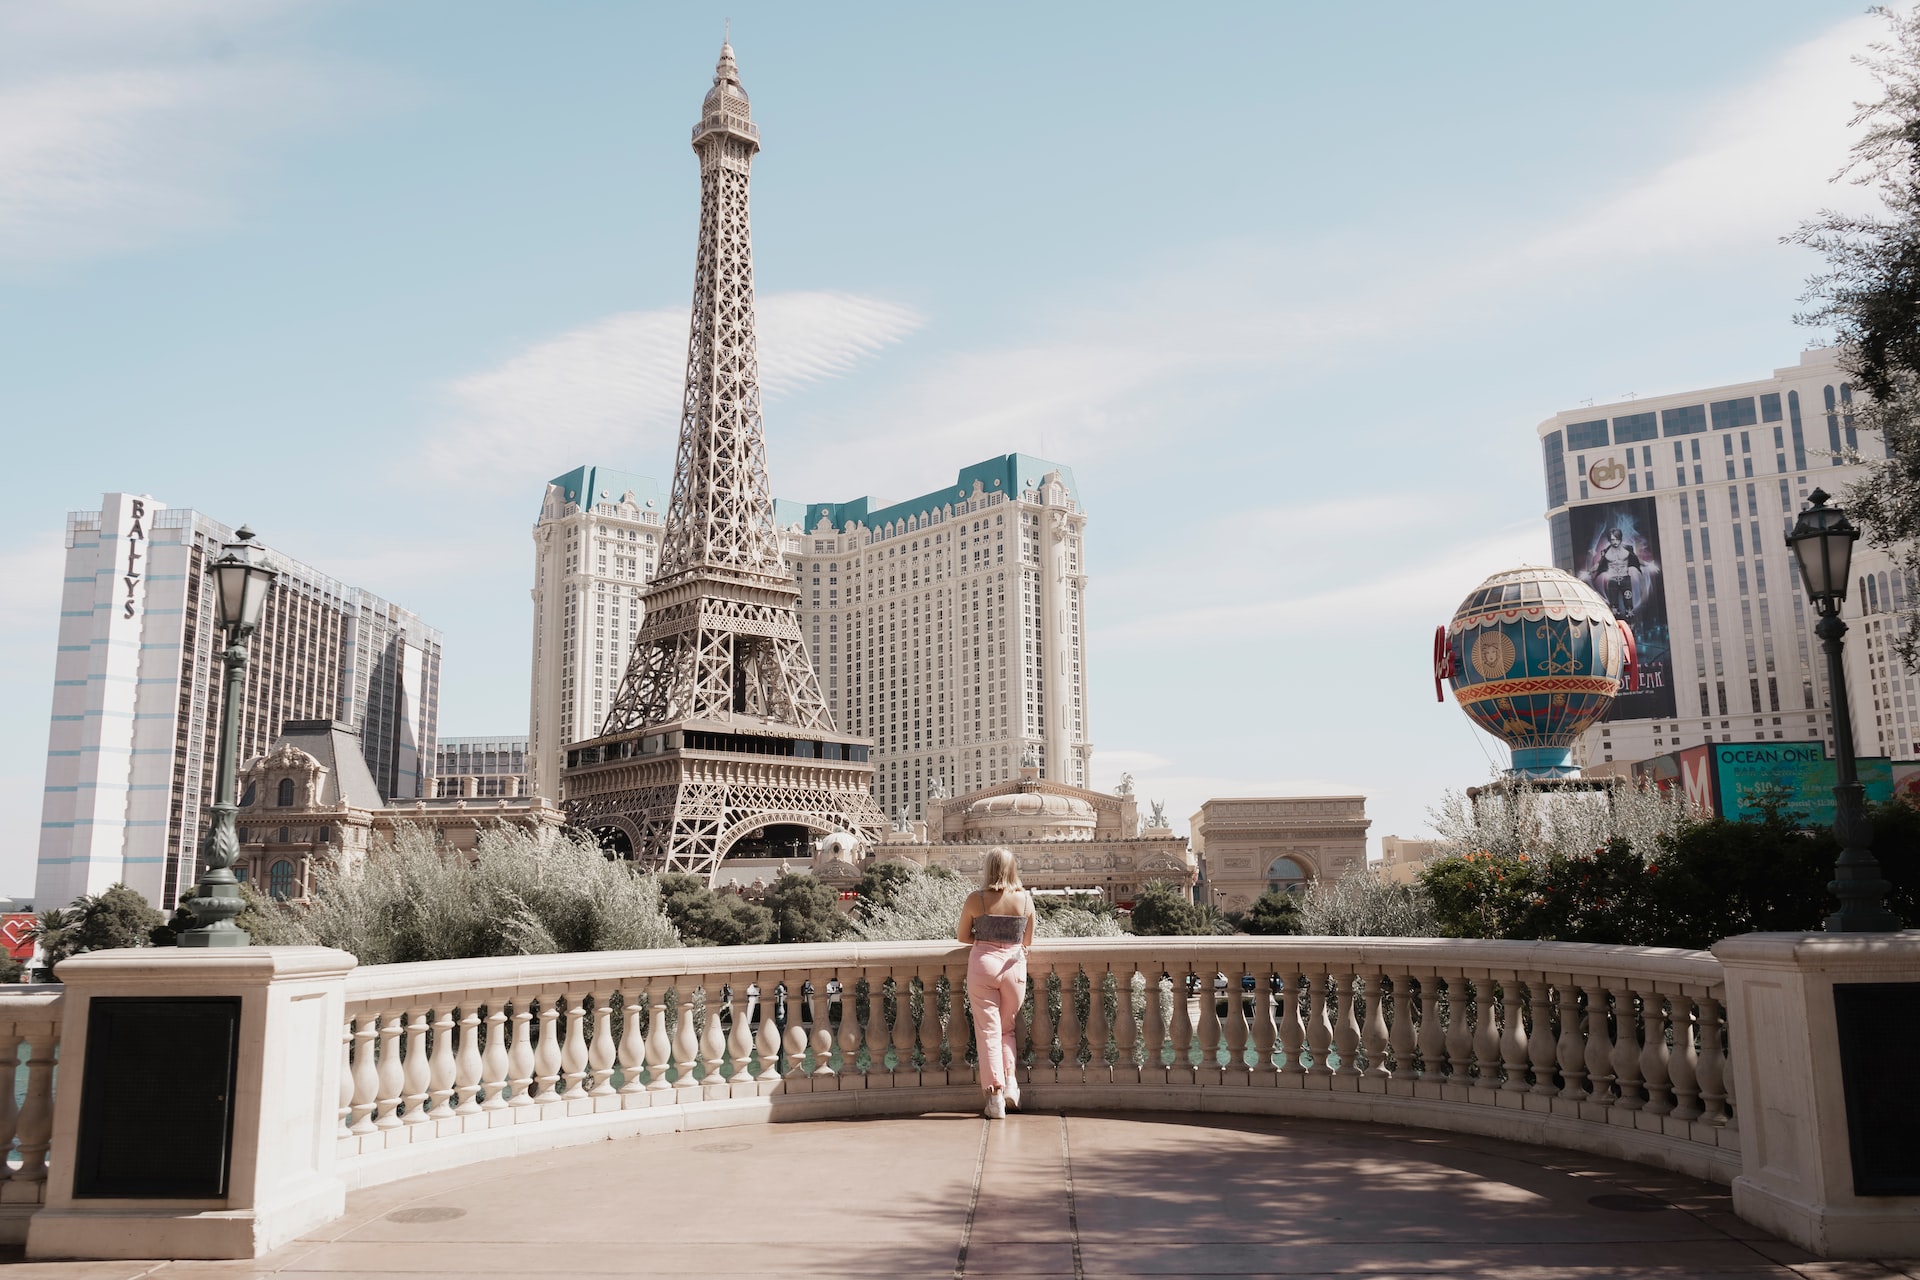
611, 389
122, 124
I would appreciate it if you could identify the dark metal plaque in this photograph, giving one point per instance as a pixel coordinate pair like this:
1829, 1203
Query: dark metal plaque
156, 1097
1879, 1025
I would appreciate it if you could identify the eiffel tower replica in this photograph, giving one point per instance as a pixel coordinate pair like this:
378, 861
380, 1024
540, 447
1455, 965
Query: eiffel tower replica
719, 729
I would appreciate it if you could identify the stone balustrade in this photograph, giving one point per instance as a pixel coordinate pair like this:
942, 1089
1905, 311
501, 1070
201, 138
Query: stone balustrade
29, 1022
1616, 1050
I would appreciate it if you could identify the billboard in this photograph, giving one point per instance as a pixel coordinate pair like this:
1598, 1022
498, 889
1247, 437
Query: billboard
1800, 769
16, 934
1616, 551
1691, 770
1906, 782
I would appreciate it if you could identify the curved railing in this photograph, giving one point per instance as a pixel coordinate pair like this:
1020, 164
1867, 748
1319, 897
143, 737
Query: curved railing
29, 1022
1614, 1050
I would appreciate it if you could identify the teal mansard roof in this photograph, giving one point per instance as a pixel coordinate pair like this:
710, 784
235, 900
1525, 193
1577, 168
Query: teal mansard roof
584, 486
1008, 474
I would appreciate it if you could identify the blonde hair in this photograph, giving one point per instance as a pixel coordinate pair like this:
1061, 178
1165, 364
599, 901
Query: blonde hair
1003, 872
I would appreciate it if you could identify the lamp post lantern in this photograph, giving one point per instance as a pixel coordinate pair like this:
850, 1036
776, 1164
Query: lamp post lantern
240, 582
1822, 542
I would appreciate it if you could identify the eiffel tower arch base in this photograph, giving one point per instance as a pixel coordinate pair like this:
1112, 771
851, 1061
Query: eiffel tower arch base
681, 799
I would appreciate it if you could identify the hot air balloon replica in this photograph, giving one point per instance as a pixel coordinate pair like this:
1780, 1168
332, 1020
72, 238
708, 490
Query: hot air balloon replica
1534, 657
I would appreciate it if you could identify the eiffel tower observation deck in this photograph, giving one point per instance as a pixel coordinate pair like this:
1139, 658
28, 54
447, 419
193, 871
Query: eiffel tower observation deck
719, 730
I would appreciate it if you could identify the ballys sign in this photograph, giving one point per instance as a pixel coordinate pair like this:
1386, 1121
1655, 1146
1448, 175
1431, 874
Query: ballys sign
1607, 473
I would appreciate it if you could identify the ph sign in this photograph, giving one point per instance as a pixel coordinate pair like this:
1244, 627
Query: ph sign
1606, 473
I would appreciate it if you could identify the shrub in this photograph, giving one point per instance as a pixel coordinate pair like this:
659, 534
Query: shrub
805, 910
1274, 913
1364, 904
419, 900
115, 917
925, 906
1164, 910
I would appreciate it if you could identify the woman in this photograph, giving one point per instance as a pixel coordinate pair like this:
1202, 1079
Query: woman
998, 921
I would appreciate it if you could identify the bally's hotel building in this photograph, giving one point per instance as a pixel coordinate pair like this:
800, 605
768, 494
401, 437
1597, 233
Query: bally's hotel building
1701, 487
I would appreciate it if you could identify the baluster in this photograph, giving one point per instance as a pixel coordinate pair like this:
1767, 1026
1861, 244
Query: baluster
1401, 1037
796, 1032
1459, 1030
1373, 1033
393, 1079
440, 1064
35, 1125
1234, 1028
1681, 1065
600, 1052
1182, 1026
1293, 1026
467, 1064
1319, 1023
1541, 1047
740, 1038
1653, 1053
1265, 1032
1626, 1048
496, 1062
11, 1045
659, 1044
632, 1054
1099, 1031
713, 1038
957, 1025
879, 1036
1208, 1032
573, 1048
1486, 1036
1153, 1026
10, 1110
1599, 1054
686, 1040
546, 1054
520, 1059
1126, 1036
1433, 1032
1513, 1034
1712, 1066
767, 1039
820, 1002
850, 1029
1346, 1027
416, 1070
1071, 1035
1040, 1025
1732, 1077
905, 1031
1571, 1049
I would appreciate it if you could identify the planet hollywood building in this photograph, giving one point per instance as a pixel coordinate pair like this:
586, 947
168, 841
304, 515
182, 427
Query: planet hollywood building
1675, 508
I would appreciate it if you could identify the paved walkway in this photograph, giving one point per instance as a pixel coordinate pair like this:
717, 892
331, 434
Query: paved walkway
1035, 1195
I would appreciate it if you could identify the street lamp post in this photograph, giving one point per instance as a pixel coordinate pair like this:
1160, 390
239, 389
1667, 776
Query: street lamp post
1822, 541
240, 581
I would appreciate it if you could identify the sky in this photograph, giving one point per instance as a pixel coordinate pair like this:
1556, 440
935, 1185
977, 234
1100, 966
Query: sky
1288, 286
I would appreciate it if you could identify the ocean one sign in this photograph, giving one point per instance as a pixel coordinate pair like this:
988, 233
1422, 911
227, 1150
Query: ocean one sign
1730, 778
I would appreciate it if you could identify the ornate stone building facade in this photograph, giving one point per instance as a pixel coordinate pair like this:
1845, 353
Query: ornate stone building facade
951, 629
1247, 845
311, 798
1066, 837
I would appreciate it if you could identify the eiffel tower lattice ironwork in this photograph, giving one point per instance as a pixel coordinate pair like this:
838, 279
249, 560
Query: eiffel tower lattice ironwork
719, 728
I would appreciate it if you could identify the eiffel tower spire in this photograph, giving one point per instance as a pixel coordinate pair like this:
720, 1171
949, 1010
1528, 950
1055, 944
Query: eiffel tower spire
719, 668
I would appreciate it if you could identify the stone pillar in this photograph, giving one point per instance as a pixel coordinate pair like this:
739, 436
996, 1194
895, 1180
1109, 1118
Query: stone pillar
285, 1105
1796, 1145
469, 786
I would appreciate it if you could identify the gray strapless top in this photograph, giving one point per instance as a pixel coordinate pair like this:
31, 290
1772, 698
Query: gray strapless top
999, 928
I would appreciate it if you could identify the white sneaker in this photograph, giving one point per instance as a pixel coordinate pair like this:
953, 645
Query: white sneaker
1012, 1095
996, 1106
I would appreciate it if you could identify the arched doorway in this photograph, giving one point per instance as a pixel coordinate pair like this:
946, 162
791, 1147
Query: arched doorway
1287, 875
614, 842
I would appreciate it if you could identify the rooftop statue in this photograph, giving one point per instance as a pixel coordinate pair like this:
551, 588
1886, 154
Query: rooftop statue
1126, 785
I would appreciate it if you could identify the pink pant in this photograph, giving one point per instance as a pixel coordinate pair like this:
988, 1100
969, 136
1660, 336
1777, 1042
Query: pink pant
996, 986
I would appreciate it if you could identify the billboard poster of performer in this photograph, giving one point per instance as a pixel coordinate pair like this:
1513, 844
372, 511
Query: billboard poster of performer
1616, 549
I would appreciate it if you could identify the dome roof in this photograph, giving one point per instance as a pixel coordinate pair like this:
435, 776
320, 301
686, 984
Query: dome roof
1031, 804
1030, 815
1531, 592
